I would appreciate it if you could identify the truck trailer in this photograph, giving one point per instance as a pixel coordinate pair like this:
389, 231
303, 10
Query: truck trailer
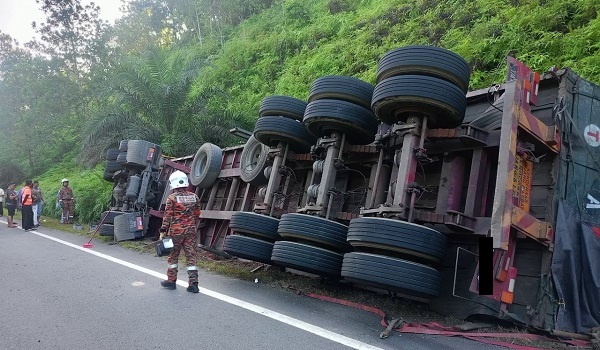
479, 203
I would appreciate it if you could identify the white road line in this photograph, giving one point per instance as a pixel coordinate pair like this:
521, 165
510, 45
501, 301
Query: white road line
321, 332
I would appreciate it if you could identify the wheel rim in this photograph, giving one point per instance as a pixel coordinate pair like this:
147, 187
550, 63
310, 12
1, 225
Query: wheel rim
199, 166
251, 158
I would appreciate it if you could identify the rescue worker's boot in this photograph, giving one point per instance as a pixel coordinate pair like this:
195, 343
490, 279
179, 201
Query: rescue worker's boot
192, 271
168, 285
193, 288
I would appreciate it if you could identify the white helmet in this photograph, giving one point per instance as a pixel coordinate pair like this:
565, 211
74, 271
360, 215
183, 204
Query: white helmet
178, 180
64, 180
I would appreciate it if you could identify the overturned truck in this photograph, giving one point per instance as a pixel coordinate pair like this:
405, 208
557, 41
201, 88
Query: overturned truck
134, 170
479, 202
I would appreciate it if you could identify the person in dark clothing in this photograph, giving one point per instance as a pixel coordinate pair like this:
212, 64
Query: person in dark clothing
27, 206
1, 202
11, 204
38, 201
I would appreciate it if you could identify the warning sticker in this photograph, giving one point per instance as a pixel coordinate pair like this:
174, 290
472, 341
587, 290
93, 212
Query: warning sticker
592, 135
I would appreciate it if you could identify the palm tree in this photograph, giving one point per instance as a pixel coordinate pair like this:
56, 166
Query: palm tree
149, 100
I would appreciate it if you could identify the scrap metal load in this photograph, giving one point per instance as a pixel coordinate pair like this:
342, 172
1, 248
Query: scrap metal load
390, 187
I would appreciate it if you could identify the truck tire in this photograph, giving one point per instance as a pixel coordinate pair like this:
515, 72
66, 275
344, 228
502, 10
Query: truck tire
307, 258
255, 225
136, 153
248, 248
283, 106
343, 88
397, 236
206, 165
395, 98
425, 60
270, 130
392, 274
110, 218
315, 230
112, 166
123, 145
108, 176
122, 158
107, 230
324, 116
254, 161
112, 154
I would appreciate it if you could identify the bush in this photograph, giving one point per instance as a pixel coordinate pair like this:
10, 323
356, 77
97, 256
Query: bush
92, 193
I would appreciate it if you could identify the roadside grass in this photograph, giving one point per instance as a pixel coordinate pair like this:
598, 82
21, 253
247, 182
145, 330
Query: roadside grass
304, 284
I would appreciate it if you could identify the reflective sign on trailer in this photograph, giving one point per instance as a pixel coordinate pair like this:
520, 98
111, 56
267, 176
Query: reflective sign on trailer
592, 135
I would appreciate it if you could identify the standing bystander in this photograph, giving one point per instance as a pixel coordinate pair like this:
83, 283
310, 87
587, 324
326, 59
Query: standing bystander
11, 204
27, 206
38, 201
1, 202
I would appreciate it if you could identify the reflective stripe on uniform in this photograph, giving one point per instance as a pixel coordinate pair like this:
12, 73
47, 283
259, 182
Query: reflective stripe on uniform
192, 268
173, 266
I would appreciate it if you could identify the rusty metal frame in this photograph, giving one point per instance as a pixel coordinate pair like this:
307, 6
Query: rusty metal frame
521, 91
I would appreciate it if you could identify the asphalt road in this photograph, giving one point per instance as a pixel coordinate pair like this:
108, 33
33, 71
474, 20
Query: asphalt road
54, 294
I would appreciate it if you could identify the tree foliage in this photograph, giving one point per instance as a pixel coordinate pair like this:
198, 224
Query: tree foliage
149, 100
71, 34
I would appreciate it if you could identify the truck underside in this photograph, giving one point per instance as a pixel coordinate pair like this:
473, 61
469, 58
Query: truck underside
401, 187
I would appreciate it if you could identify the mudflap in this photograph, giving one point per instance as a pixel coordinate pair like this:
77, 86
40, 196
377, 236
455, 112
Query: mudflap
456, 299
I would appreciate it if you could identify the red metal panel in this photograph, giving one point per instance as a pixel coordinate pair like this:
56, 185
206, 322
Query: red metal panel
477, 180
532, 227
503, 262
520, 95
178, 166
230, 172
156, 213
548, 136
456, 183
501, 213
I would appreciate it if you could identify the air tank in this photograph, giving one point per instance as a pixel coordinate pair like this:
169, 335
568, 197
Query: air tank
134, 186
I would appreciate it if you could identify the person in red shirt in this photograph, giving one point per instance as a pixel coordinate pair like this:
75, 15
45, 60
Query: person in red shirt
27, 206
180, 222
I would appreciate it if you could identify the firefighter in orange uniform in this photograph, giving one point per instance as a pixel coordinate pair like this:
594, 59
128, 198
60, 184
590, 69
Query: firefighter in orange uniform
180, 222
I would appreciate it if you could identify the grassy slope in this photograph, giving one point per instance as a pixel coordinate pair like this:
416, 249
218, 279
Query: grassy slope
285, 48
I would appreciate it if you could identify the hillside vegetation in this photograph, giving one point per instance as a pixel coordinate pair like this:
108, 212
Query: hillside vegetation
283, 49
182, 72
